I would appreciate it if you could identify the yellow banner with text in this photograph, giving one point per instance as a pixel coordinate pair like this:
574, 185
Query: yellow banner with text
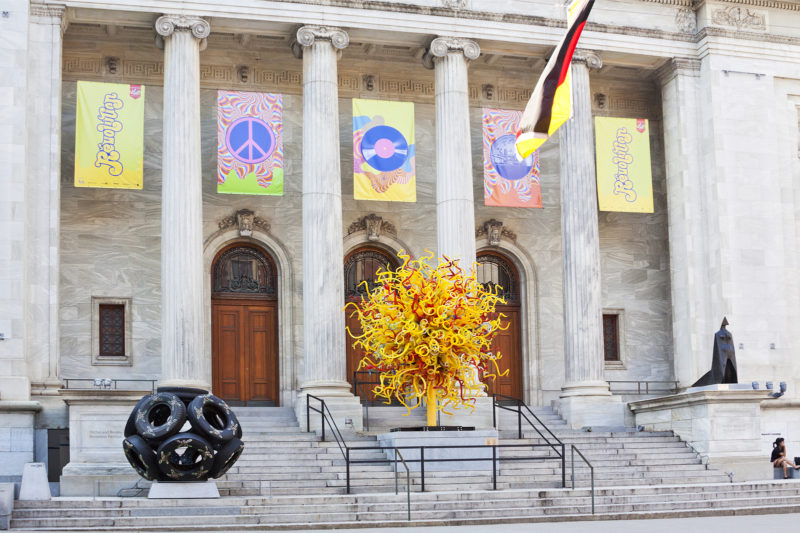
624, 176
109, 135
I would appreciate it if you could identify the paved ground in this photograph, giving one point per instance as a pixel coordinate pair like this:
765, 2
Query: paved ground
776, 523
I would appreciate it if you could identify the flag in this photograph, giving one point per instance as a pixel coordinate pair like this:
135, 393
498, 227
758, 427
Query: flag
624, 176
249, 143
551, 102
507, 180
109, 135
384, 151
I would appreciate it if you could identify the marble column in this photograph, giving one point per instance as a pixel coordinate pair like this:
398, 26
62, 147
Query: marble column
689, 219
43, 203
585, 391
183, 361
455, 206
323, 290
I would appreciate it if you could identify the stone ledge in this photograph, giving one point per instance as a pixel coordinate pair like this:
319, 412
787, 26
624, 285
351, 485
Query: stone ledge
19, 406
685, 399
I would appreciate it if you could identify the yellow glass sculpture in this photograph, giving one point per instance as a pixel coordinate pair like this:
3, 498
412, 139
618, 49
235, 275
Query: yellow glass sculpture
428, 331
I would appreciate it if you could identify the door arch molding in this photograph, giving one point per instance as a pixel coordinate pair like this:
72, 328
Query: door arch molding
529, 314
221, 239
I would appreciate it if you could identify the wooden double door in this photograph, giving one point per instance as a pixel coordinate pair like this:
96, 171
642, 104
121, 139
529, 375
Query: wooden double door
244, 324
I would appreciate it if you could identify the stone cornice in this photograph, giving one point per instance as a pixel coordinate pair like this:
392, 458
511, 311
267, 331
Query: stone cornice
677, 65
47, 10
768, 4
166, 25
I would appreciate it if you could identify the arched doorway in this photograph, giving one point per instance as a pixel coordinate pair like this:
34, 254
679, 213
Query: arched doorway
244, 326
360, 265
495, 269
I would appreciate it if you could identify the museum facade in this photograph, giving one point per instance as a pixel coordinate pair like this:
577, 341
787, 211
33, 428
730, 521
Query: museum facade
104, 291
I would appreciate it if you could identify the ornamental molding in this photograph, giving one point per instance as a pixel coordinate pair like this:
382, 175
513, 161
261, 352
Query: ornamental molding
686, 20
740, 18
47, 10
591, 58
494, 231
245, 221
441, 46
373, 225
456, 4
166, 25
675, 66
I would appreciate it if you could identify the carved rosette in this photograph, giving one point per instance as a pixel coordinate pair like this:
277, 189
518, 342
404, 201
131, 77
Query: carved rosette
589, 58
166, 25
441, 46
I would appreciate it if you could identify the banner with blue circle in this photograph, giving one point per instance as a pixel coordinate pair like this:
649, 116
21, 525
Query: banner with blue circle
383, 151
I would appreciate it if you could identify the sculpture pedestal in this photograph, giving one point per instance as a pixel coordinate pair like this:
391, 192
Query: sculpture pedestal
721, 422
175, 490
479, 438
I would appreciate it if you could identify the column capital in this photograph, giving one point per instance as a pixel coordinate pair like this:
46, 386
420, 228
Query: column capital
588, 57
441, 46
166, 25
307, 35
675, 66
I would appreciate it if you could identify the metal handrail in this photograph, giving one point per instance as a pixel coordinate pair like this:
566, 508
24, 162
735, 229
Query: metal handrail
520, 416
113, 384
673, 388
591, 469
322, 410
408, 479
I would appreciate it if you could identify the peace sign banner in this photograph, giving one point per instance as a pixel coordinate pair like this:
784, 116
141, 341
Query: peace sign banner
624, 176
507, 180
109, 135
249, 143
383, 151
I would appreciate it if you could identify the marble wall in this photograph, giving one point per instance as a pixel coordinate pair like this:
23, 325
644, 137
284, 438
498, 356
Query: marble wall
110, 239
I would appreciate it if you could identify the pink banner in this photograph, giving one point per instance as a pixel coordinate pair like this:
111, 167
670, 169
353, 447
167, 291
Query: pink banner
507, 181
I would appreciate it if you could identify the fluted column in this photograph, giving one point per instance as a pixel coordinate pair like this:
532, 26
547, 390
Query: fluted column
455, 208
183, 361
583, 323
42, 196
323, 292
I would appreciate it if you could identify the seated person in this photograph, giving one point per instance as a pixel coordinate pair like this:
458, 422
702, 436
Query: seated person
778, 457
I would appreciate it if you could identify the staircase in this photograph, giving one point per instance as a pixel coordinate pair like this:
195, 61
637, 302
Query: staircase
281, 459
287, 478
387, 510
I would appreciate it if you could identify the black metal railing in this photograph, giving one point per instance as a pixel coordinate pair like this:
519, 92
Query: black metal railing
408, 479
591, 469
642, 386
107, 384
348, 451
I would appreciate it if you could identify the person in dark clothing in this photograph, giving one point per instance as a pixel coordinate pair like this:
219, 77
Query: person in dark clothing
778, 457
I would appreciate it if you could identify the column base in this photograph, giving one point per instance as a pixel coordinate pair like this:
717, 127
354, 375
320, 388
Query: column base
345, 408
185, 384
590, 404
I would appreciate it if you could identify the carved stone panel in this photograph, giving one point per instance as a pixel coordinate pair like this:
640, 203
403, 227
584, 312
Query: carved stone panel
740, 18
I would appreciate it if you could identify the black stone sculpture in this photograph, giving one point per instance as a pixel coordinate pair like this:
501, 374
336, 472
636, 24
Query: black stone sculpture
159, 448
723, 361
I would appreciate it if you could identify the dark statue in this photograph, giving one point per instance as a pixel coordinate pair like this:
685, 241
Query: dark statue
159, 447
723, 361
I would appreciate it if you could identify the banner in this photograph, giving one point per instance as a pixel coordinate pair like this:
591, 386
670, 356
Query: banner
383, 151
507, 181
624, 178
109, 135
249, 143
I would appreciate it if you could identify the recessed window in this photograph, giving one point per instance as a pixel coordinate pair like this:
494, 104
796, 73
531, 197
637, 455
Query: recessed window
111, 331
611, 338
